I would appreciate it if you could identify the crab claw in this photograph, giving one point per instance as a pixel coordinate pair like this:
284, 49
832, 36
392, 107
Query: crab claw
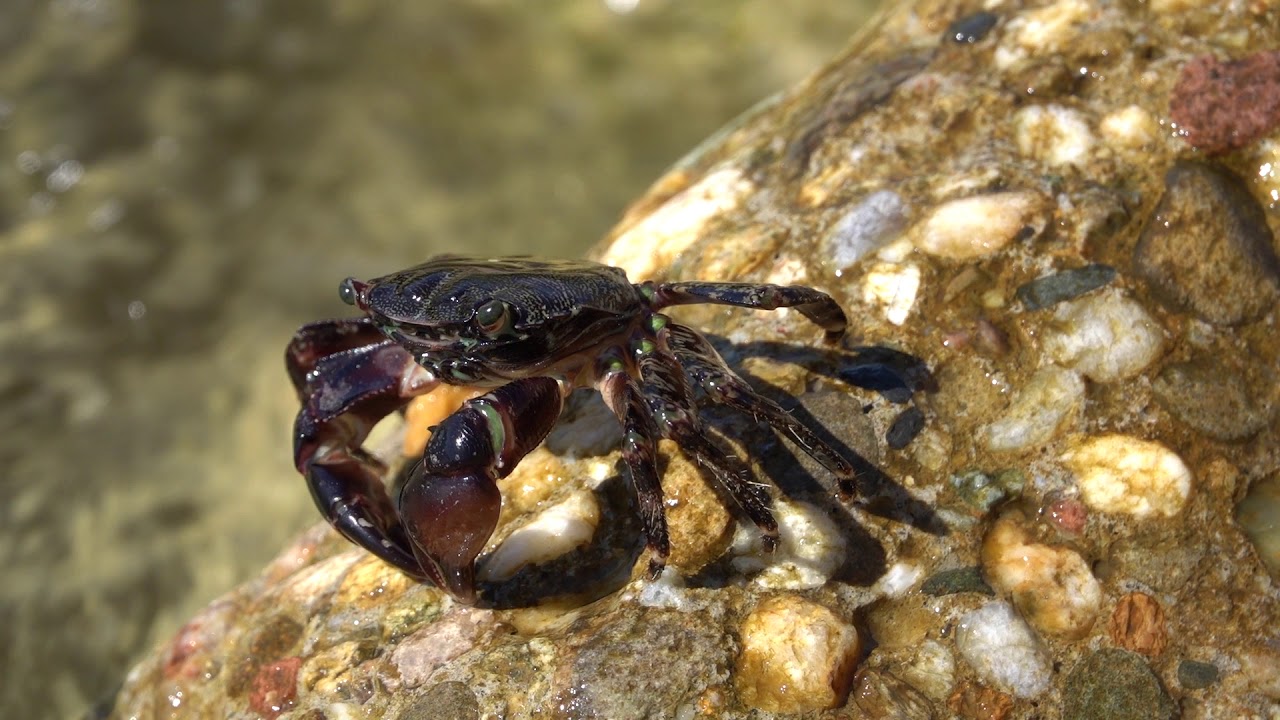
449, 518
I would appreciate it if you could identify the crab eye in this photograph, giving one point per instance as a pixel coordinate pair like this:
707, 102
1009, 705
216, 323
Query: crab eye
347, 291
493, 317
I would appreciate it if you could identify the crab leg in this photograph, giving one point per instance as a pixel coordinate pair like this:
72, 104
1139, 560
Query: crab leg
449, 505
638, 432
722, 385
345, 394
672, 406
815, 305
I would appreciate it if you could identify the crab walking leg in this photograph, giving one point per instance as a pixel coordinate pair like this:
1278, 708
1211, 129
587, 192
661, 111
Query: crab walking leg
346, 484
817, 306
315, 341
676, 415
722, 385
449, 505
638, 432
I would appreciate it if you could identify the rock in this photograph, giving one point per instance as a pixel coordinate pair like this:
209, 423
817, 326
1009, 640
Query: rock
1067, 514
1115, 685
1138, 625
979, 701
905, 428
977, 226
931, 670
870, 224
1260, 666
1105, 336
1259, 517
1208, 249
1039, 409
611, 668
555, 531
1122, 474
1194, 675
956, 581
883, 695
1052, 289
999, 646
1220, 106
1051, 586
1054, 134
983, 491
1226, 398
810, 550
796, 656
1093, 365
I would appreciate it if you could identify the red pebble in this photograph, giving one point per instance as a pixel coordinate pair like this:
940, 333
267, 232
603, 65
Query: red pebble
1221, 106
1068, 515
187, 657
275, 687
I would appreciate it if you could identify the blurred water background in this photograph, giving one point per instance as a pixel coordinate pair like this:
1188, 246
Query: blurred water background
183, 182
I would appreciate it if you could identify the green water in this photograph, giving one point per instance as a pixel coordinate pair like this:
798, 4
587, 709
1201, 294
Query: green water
184, 182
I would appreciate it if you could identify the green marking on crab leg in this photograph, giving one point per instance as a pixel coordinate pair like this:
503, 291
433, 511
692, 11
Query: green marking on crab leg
497, 429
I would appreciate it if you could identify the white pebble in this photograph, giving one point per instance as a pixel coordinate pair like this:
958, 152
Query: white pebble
977, 226
893, 288
554, 532
810, 549
667, 591
653, 243
1104, 335
899, 578
1050, 396
1000, 647
1043, 31
1053, 134
1130, 127
1125, 475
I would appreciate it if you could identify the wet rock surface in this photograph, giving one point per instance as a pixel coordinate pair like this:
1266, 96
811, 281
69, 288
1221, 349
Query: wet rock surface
1082, 522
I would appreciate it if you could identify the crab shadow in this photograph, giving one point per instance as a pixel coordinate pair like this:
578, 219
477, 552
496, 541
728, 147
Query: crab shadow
838, 417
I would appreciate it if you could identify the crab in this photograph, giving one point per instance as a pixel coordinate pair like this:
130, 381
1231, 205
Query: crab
530, 332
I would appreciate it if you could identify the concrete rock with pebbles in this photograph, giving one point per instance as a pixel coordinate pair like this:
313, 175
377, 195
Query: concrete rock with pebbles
999, 193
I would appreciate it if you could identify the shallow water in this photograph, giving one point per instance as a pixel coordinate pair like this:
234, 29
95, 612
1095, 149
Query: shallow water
183, 183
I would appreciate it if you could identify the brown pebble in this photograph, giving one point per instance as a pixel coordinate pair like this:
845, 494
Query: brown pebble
979, 702
1138, 625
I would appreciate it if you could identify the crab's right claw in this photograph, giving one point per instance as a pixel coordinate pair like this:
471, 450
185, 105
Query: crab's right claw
449, 519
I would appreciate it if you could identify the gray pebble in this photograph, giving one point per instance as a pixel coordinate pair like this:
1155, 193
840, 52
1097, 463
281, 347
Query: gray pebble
1194, 675
1114, 684
1207, 248
1053, 289
866, 227
1217, 396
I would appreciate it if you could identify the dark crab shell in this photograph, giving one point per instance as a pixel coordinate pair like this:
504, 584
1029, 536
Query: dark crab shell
446, 291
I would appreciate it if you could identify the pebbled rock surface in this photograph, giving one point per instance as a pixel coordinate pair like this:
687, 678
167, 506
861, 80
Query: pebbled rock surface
1082, 526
